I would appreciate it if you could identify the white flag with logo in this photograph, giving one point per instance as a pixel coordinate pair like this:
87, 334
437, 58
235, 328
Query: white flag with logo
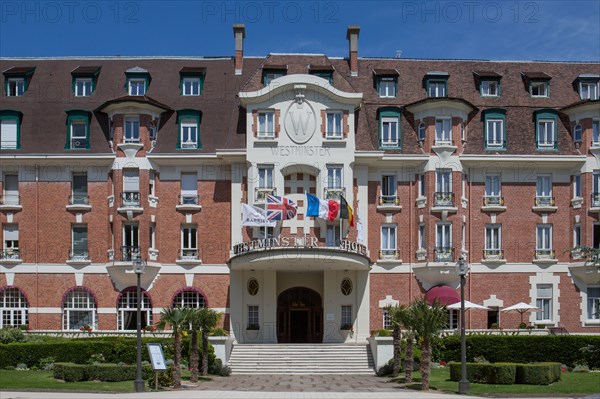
255, 217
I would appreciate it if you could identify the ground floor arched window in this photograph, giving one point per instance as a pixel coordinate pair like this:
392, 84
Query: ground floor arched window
79, 309
14, 307
189, 298
127, 308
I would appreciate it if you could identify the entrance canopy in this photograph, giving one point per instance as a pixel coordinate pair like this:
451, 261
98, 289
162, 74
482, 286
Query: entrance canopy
443, 294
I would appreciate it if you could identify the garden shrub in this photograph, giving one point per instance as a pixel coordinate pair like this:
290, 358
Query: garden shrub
527, 348
538, 373
71, 372
383, 333
11, 334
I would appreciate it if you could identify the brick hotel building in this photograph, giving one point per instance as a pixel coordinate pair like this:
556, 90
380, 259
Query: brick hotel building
105, 160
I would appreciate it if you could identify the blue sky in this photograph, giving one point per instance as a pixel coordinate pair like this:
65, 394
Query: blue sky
469, 29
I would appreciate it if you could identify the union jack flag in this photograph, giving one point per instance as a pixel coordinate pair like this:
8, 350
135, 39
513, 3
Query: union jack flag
280, 208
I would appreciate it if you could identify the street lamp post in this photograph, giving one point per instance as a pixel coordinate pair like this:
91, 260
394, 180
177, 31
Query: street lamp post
463, 385
138, 267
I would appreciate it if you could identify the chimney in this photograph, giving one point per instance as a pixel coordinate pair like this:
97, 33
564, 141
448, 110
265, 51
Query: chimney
352, 36
239, 33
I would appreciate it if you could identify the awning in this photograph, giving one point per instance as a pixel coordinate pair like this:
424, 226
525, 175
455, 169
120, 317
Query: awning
443, 294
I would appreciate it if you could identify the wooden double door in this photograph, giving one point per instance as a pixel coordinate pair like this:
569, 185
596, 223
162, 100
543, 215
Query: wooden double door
299, 316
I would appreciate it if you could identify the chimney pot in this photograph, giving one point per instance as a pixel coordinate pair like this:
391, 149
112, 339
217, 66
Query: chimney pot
239, 33
352, 37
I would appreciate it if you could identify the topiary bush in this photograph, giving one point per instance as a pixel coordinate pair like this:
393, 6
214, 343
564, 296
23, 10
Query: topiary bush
508, 373
538, 373
71, 372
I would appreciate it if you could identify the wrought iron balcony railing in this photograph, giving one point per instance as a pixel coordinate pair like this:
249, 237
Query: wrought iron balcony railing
493, 200
188, 254
79, 199
79, 144
130, 199
490, 254
391, 200
544, 200
389, 254
444, 254
10, 199
544, 254
335, 193
130, 253
260, 194
10, 254
443, 199
189, 199
77, 255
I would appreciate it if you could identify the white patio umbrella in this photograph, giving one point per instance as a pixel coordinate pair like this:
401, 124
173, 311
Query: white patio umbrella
468, 305
522, 308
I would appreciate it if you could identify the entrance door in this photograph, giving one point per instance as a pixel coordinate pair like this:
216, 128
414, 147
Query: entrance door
299, 316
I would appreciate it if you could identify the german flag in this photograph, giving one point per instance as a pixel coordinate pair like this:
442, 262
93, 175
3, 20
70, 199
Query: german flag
346, 211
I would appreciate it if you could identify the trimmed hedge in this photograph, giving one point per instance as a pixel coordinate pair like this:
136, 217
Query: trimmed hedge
565, 349
71, 372
114, 349
508, 373
486, 373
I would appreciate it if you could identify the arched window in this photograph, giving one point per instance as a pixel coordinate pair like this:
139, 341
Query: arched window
79, 309
577, 133
127, 308
189, 298
421, 130
14, 307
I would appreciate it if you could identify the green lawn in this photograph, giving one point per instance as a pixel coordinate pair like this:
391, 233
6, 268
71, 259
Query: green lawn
44, 381
571, 383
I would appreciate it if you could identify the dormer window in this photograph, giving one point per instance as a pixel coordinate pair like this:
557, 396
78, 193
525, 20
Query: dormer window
138, 80
322, 71
546, 129
538, 84
189, 129
10, 127
389, 128
588, 86
272, 72
488, 83
78, 130
386, 82
436, 84
16, 80
191, 81
84, 80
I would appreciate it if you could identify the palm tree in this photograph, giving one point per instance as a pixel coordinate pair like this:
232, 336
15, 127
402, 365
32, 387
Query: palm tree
427, 322
407, 323
177, 318
395, 315
203, 319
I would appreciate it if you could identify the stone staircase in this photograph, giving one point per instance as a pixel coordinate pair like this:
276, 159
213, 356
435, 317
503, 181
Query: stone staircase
301, 359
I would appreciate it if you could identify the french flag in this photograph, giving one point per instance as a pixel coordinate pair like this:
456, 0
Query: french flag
324, 209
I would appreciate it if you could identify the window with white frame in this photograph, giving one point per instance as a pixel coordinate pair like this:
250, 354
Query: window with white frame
596, 188
490, 88
544, 301
492, 186
79, 189
443, 180
539, 89
189, 189
83, 87
253, 321
189, 242
443, 242
15, 87
14, 307
389, 131
271, 74
389, 242
131, 249
131, 188
79, 246
387, 87
494, 133
10, 196
11, 242
387, 320
188, 133
127, 308
422, 188
443, 131
577, 186
189, 298
132, 130
588, 90
543, 191
437, 88
266, 125
346, 319
78, 130
453, 319
595, 133
493, 241
388, 190
334, 176
190, 86
152, 236
421, 132
334, 128
137, 87
152, 183
265, 176
593, 303
334, 235
79, 309
422, 238
9, 136
544, 241
546, 134
576, 235
577, 133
